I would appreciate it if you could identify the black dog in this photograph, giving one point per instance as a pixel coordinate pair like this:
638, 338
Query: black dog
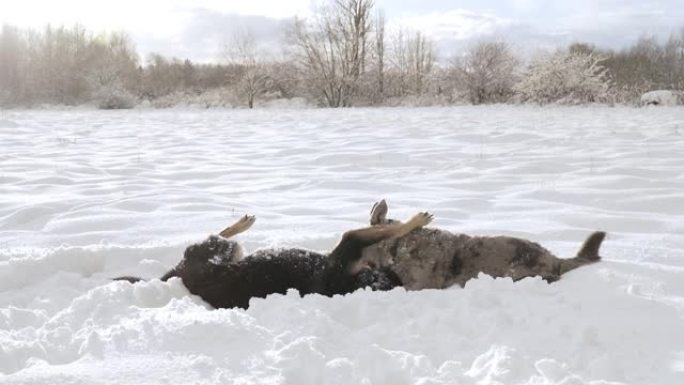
213, 269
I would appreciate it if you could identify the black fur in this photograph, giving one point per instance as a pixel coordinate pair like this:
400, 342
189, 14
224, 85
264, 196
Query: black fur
208, 269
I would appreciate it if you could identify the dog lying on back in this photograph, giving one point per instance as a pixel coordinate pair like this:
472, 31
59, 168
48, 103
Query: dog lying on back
215, 270
436, 259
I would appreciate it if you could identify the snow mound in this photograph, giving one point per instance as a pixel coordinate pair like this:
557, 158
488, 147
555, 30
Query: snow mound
493, 331
660, 98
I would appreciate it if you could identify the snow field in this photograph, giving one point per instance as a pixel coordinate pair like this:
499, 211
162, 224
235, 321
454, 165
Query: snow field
91, 195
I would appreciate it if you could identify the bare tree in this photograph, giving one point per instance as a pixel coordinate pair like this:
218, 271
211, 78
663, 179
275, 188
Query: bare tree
646, 66
253, 77
380, 52
673, 60
487, 71
353, 19
421, 60
412, 61
333, 47
399, 63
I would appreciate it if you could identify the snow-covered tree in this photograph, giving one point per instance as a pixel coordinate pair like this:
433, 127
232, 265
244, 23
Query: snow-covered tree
111, 70
487, 72
566, 77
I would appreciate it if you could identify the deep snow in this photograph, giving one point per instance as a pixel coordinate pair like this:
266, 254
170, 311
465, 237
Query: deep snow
85, 196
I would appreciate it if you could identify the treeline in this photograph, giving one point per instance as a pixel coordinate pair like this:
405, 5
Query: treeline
342, 56
72, 66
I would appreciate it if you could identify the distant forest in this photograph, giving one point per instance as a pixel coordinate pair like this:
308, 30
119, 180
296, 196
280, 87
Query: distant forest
342, 56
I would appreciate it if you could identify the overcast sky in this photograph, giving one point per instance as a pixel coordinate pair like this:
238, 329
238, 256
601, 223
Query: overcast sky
199, 28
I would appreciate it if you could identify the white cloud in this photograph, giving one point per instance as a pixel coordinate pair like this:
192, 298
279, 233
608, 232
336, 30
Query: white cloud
194, 29
164, 26
157, 17
527, 5
456, 24
277, 9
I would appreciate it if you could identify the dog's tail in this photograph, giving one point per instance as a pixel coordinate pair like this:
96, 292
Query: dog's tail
588, 253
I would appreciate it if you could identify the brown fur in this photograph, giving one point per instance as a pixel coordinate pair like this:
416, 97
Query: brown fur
436, 259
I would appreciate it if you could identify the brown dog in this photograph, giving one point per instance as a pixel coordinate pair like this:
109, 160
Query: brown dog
432, 258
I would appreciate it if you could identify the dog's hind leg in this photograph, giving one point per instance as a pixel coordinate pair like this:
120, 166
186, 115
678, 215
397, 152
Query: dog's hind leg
242, 225
375, 234
352, 243
588, 253
340, 275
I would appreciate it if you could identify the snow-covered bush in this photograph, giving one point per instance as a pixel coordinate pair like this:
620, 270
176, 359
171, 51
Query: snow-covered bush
660, 98
114, 98
565, 78
627, 94
218, 97
283, 103
486, 74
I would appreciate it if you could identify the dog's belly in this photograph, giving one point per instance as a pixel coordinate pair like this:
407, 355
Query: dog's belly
423, 259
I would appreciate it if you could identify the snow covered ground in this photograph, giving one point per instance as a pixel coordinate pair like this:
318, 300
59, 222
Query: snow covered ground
85, 196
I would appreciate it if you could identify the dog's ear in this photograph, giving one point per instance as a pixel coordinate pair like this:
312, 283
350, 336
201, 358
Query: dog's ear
590, 248
378, 214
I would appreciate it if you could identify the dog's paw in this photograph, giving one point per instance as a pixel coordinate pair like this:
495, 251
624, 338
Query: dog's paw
421, 219
246, 221
240, 226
